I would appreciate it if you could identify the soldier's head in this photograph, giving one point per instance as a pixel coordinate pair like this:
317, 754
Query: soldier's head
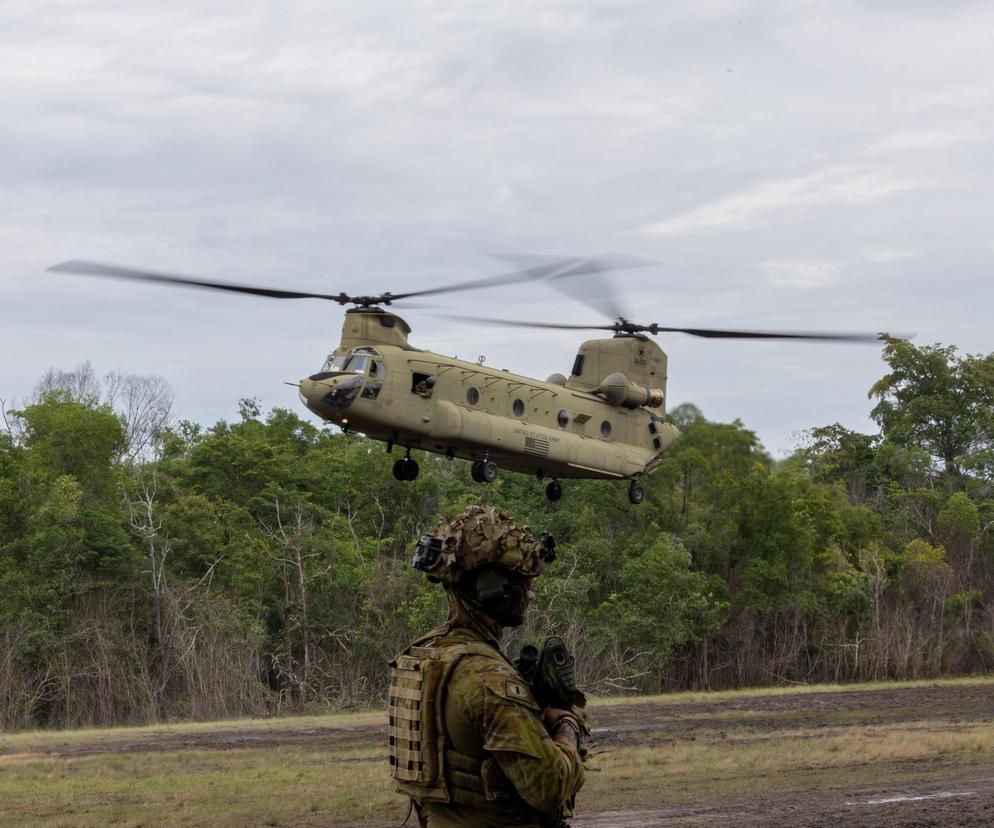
488, 559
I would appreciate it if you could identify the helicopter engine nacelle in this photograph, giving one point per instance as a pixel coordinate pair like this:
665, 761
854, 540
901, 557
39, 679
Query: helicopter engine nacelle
618, 390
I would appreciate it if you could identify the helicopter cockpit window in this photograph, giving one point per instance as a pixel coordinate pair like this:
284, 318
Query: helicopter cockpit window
578, 364
360, 361
358, 364
335, 363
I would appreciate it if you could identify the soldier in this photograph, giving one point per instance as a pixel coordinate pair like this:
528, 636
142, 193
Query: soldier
468, 743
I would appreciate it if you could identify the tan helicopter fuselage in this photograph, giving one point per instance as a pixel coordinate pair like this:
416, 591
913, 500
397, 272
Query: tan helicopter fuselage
605, 421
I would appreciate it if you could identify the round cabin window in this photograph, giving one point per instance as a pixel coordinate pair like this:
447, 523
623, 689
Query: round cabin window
605, 430
518, 407
472, 396
563, 419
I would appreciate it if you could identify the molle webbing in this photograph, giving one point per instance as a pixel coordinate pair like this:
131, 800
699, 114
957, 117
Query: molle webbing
413, 734
419, 755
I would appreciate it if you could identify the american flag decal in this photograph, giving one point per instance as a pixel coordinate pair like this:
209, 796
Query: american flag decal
537, 446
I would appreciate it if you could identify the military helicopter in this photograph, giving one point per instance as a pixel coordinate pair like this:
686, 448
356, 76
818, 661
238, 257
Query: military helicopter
605, 420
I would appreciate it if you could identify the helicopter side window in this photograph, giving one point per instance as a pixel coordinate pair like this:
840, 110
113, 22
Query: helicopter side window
376, 369
578, 364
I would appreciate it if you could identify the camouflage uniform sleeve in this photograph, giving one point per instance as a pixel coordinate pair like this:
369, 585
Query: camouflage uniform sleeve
502, 710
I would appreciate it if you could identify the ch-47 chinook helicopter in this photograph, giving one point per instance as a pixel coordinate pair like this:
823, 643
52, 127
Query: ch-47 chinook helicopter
605, 420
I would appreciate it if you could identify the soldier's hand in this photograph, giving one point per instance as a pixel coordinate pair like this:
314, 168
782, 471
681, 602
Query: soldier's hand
562, 726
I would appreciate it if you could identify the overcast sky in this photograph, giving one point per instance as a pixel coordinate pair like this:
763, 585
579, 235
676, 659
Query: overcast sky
805, 165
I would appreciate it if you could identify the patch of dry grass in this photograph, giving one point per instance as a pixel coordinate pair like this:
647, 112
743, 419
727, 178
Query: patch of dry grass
780, 760
716, 696
277, 786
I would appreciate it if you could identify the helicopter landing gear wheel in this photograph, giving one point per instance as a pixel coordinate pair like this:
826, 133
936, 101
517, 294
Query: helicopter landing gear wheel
553, 491
484, 471
405, 469
636, 493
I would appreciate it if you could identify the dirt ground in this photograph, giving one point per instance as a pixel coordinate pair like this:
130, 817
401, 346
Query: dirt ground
934, 791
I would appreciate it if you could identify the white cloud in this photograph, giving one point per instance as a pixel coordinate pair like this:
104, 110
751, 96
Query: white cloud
912, 140
837, 186
886, 255
800, 274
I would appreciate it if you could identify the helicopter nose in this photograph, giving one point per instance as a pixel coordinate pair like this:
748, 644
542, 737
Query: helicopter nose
329, 397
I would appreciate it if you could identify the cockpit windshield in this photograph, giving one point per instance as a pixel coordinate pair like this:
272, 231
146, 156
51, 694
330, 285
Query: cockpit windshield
364, 361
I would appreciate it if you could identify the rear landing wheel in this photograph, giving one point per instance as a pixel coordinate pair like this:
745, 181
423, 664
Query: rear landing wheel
476, 471
553, 491
636, 494
405, 469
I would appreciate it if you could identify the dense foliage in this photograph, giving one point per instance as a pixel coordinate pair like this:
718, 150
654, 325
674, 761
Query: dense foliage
151, 572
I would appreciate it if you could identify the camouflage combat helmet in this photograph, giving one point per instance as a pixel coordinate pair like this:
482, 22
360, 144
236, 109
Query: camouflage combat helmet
482, 535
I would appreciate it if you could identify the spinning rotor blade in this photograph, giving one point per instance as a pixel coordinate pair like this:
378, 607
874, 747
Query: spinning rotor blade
544, 268
597, 295
552, 268
823, 336
510, 323
132, 274
624, 326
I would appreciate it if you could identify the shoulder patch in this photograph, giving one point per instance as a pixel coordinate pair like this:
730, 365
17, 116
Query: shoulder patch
513, 689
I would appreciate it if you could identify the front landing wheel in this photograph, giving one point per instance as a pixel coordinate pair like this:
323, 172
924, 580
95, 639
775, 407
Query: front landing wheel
636, 493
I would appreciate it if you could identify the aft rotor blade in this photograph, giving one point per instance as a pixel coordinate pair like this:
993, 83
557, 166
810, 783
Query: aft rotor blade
821, 336
133, 274
513, 324
599, 295
623, 326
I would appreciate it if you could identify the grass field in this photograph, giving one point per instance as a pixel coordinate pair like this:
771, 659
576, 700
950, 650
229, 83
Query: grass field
668, 760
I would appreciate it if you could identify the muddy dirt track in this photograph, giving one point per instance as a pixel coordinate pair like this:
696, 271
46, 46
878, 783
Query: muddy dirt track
936, 791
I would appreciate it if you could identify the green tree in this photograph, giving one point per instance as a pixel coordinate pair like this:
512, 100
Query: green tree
941, 402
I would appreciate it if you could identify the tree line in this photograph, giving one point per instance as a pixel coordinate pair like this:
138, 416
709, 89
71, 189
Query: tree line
155, 569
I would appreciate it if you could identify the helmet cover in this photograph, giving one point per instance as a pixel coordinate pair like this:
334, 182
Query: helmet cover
484, 535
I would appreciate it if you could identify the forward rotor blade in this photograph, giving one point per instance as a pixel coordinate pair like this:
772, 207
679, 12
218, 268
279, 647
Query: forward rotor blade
560, 266
542, 270
132, 274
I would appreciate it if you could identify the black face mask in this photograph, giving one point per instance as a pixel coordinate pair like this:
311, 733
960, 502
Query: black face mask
500, 593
